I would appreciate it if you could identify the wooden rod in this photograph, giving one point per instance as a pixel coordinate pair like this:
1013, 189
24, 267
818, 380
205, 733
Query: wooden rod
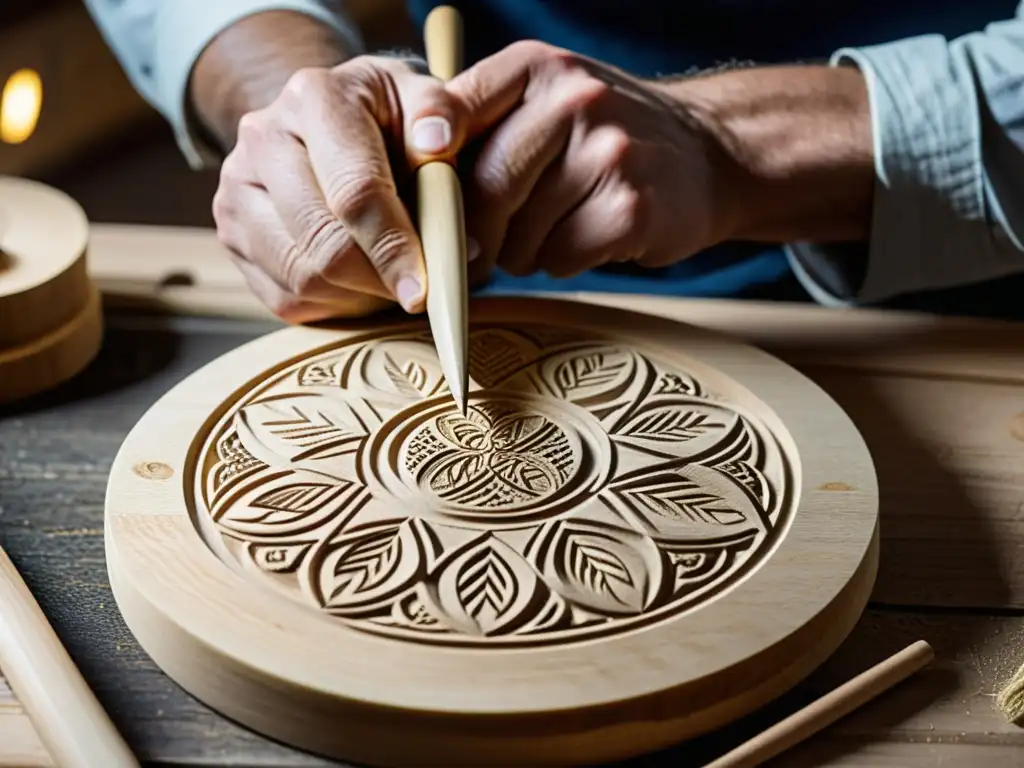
442, 224
820, 714
68, 719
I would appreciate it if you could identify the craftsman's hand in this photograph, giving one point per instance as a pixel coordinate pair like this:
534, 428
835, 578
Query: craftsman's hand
308, 201
581, 165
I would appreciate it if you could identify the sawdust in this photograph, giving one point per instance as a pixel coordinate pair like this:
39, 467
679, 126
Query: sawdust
1007, 664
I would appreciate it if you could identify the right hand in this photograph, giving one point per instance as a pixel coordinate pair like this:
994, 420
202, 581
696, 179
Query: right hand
308, 202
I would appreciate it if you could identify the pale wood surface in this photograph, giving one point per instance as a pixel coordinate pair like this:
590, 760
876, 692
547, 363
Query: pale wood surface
50, 313
73, 727
951, 534
828, 709
192, 613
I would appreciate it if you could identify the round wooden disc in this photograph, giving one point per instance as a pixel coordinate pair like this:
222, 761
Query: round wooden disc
638, 532
55, 357
43, 279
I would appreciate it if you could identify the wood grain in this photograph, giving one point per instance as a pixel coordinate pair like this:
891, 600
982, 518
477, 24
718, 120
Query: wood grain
74, 729
945, 711
55, 454
592, 452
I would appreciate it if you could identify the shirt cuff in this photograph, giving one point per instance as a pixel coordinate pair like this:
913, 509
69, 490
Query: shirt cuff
929, 228
186, 27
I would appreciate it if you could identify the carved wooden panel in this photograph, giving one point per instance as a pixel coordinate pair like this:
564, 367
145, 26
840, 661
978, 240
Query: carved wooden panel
589, 488
643, 527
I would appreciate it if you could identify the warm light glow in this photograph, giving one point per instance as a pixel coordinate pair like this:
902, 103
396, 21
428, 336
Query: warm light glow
20, 105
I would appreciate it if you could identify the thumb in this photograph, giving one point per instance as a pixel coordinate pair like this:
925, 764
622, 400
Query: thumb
435, 121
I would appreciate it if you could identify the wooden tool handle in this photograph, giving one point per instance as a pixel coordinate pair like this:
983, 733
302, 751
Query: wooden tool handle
442, 222
442, 36
67, 717
829, 708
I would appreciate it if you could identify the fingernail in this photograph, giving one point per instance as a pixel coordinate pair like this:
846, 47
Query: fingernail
408, 291
431, 135
472, 249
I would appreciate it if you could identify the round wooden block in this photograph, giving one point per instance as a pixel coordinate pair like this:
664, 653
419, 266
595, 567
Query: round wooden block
638, 532
55, 357
44, 284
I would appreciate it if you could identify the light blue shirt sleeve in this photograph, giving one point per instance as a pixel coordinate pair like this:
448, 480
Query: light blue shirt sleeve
948, 122
159, 41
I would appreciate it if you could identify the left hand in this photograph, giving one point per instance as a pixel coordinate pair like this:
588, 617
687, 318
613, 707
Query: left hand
581, 165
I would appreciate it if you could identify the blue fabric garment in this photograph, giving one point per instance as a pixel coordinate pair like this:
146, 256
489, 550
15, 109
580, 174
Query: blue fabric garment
659, 37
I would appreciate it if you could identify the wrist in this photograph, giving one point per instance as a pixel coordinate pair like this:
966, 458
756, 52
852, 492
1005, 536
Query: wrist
796, 159
247, 65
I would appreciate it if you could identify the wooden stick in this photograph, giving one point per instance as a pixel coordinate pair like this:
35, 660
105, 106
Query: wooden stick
67, 717
442, 223
829, 708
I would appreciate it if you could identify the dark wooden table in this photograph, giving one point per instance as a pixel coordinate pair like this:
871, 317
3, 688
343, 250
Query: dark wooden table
952, 564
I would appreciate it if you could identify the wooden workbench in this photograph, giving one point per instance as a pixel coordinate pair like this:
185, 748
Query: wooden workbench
941, 404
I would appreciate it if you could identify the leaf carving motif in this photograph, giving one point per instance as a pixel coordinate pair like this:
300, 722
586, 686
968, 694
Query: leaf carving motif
689, 501
614, 572
457, 474
278, 507
346, 479
410, 379
672, 424
469, 432
600, 571
592, 370
489, 589
494, 355
285, 431
685, 500
363, 570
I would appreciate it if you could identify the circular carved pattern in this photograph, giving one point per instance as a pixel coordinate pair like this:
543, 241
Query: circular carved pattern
588, 488
499, 456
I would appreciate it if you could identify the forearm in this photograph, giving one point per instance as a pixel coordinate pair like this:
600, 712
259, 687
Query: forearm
245, 67
798, 148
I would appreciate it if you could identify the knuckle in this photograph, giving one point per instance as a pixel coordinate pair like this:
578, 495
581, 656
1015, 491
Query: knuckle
493, 181
222, 208
297, 273
232, 170
588, 93
614, 148
353, 194
389, 251
630, 212
627, 205
324, 240
306, 81
252, 127
533, 49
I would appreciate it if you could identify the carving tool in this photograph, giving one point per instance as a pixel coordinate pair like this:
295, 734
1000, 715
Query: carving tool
68, 719
820, 714
442, 223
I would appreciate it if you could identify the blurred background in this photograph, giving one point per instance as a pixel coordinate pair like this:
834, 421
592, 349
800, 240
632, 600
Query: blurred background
69, 116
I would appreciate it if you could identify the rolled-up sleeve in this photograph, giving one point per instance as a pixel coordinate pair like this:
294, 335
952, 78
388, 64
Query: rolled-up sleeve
159, 41
948, 125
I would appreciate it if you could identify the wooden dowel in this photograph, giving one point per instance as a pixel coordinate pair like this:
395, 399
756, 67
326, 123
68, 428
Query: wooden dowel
442, 223
68, 719
829, 708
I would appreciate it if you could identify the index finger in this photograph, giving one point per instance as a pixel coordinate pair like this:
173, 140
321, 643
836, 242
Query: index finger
350, 161
496, 85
